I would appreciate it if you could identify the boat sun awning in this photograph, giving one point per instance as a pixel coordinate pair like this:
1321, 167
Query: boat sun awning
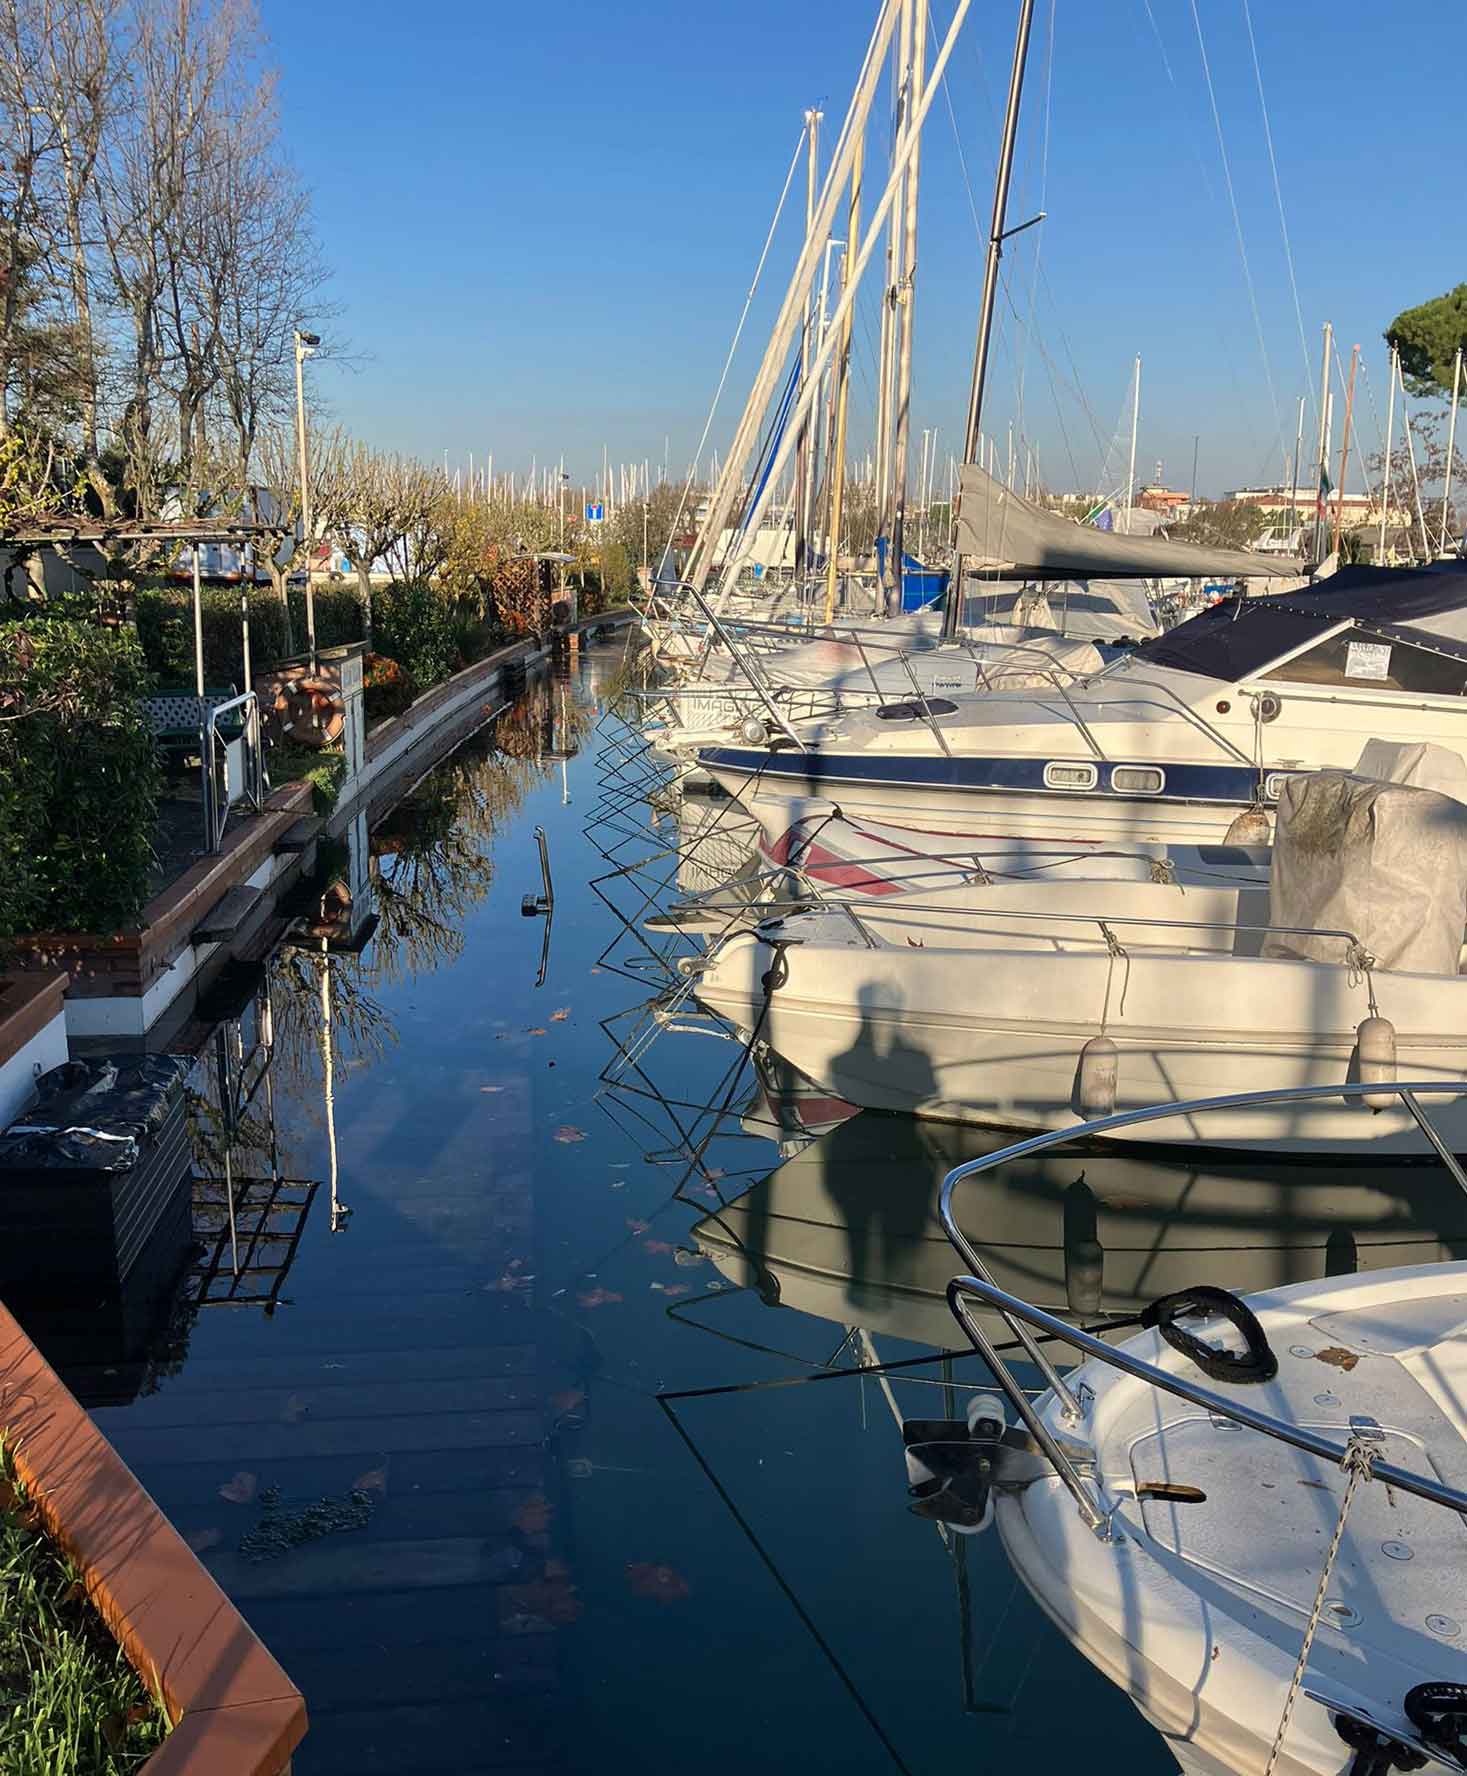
1000, 531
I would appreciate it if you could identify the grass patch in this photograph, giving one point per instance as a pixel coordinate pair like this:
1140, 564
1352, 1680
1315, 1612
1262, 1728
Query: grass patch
70, 1704
323, 770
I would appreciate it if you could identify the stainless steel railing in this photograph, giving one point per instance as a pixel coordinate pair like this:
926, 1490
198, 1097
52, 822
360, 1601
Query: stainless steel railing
1023, 1319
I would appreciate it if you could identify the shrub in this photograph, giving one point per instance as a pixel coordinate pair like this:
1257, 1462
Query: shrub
165, 622
385, 689
413, 624
79, 777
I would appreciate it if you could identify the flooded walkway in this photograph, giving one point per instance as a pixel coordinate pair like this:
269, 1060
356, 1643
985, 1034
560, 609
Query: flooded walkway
428, 1443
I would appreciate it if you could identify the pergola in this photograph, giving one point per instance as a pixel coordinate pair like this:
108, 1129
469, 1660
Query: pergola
64, 531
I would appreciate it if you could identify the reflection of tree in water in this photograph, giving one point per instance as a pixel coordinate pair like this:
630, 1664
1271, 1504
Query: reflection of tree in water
435, 858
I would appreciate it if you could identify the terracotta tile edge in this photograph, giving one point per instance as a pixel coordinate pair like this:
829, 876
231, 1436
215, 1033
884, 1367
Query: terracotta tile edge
167, 1612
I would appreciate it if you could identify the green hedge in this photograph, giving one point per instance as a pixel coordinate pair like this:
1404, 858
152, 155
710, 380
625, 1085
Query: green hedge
79, 778
165, 621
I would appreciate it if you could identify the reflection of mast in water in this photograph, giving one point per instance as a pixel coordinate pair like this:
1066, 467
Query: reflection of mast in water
340, 1214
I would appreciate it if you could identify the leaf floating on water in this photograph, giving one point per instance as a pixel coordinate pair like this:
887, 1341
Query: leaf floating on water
491, 1088
595, 971
533, 1517
683, 1256
637, 1226
619, 1184
570, 1401
539, 1030
203, 1539
568, 1132
669, 1288
597, 1297
559, 1017
240, 1490
660, 1247
295, 1409
374, 1480
663, 1584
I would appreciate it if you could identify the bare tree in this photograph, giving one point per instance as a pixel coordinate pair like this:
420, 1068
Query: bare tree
385, 501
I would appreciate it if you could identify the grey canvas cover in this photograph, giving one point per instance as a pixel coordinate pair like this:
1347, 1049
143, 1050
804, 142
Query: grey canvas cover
1385, 861
1001, 530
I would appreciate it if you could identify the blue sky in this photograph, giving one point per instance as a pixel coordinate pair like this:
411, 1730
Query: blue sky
543, 220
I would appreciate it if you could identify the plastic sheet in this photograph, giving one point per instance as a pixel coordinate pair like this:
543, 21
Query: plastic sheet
95, 1114
1385, 861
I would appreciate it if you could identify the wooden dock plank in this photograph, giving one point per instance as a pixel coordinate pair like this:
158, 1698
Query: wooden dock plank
361, 1436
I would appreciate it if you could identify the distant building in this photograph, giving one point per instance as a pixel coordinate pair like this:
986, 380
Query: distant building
1356, 509
1165, 500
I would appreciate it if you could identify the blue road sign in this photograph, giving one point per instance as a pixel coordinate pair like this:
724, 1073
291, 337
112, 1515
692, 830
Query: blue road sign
595, 512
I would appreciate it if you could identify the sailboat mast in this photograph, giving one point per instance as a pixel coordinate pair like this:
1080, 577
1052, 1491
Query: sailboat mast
1135, 422
952, 615
1294, 482
842, 390
1451, 449
916, 71
891, 293
1385, 479
1321, 463
1345, 446
802, 454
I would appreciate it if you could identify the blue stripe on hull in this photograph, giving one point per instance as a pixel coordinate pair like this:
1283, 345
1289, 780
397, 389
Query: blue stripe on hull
815, 773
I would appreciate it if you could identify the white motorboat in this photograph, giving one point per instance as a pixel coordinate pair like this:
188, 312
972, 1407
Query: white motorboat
1170, 743
1263, 1546
1021, 1005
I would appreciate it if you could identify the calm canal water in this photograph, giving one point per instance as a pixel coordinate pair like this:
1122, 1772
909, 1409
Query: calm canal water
526, 1559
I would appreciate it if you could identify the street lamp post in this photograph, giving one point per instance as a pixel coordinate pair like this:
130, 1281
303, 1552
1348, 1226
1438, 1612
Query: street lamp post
305, 345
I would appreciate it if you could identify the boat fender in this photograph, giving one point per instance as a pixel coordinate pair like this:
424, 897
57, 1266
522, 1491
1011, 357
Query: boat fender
1249, 828
1096, 1077
1257, 1363
1438, 1711
1375, 1059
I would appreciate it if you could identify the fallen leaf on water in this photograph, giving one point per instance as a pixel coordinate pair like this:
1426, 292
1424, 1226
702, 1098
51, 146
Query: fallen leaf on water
295, 1409
595, 971
714, 1172
374, 1480
637, 1226
683, 1256
669, 1288
597, 1297
620, 1184
568, 1132
240, 1490
204, 1539
539, 1030
660, 1247
559, 1017
491, 1088
663, 1584
533, 1517
569, 1401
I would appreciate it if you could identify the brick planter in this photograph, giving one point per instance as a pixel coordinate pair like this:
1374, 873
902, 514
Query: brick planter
235, 1712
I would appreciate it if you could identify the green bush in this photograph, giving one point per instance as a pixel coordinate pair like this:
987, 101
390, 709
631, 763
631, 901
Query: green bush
165, 621
79, 778
415, 625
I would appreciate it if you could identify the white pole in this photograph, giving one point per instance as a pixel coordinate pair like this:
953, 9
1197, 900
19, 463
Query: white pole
199, 634
1451, 448
302, 352
1321, 466
1385, 479
916, 41
1135, 421
1411, 453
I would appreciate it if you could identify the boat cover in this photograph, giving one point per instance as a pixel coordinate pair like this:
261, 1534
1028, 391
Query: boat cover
1000, 529
1385, 861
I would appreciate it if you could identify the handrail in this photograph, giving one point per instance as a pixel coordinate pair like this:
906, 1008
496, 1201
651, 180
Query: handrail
1013, 1309
1023, 1319
216, 807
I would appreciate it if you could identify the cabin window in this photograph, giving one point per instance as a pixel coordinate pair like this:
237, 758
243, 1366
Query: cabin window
1060, 776
1137, 780
1371, 662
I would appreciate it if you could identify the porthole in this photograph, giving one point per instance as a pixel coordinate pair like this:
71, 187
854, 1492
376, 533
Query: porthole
1137, 780
1065, 776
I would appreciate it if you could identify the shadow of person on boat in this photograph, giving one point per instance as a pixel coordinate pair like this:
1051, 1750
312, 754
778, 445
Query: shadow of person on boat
879, 1168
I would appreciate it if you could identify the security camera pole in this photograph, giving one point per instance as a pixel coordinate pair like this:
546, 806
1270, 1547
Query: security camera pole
305, 344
